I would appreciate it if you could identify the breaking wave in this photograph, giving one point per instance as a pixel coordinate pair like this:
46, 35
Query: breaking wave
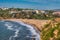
19, 27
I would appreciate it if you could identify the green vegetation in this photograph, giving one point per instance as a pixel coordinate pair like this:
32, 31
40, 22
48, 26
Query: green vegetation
49, 31
27, 15
4, 14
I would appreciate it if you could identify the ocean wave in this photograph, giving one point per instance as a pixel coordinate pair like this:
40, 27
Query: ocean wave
32, 30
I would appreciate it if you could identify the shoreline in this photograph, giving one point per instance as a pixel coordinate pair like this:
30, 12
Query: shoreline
37, 24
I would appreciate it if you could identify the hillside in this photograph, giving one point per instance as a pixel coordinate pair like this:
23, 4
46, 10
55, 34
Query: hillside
51, 31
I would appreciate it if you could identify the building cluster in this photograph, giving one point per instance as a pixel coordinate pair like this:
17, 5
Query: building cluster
28, 12
14, 10
56, 13
4, 8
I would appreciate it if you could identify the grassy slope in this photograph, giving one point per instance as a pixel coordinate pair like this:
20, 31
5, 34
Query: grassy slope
51, 31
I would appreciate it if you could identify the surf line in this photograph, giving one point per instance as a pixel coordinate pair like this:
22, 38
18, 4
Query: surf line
31, 28
9, 26
33, 31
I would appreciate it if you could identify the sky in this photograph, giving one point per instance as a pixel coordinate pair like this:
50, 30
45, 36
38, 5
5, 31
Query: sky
33, 4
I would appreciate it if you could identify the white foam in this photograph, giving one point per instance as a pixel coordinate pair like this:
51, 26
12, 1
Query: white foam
2, 20
33, 31
10, 38
9, 26
16, 33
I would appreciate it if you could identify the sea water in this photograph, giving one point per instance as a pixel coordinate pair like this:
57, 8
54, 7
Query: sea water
14, 30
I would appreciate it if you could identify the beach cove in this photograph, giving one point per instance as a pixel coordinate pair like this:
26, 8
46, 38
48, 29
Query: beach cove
38, 24
23, 23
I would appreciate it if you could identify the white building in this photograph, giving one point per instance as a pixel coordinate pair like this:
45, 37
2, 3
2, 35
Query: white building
4, 8
37, 12
42, 11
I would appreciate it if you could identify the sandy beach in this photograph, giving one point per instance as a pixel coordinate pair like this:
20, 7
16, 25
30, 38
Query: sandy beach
39, 24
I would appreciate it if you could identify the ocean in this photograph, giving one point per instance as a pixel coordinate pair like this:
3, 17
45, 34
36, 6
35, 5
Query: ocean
11, 30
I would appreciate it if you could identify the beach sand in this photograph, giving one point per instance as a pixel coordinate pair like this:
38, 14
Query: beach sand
38, 24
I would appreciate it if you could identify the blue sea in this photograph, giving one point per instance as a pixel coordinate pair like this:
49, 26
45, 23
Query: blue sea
11, 30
